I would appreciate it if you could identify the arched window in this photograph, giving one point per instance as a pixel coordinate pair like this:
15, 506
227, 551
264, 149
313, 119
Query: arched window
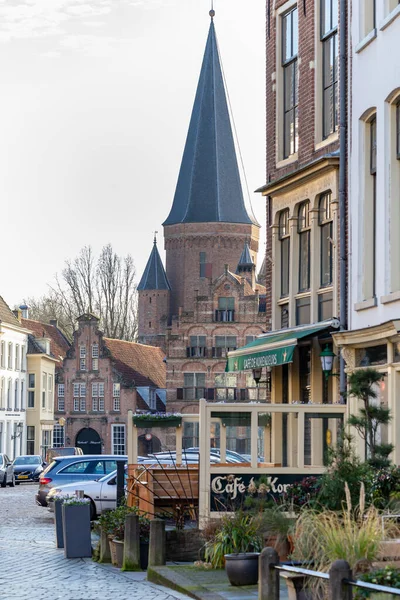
284, 238
326, 225
303, 229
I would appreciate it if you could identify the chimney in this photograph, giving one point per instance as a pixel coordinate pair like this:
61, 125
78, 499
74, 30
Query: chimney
25, 311
54, 322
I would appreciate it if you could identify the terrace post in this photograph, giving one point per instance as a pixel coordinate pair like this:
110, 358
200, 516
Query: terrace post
338, 573
131, 560
157, 545
268, 576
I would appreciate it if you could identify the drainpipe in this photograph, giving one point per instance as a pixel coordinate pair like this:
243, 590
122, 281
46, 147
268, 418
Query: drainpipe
342, 182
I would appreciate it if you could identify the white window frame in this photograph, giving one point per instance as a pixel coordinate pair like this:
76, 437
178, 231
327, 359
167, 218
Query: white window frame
9, 358
117, 404
118, 433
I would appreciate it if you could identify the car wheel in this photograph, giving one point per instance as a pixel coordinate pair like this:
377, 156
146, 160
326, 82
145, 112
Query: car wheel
4, 482
93, 513
17, 482
12, 482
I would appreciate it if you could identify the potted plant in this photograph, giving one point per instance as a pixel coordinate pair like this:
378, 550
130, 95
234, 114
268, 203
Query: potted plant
157, 420
276, 525
76, 527
236, 544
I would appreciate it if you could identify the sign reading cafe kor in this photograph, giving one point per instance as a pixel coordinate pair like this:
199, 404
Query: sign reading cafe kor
233, 489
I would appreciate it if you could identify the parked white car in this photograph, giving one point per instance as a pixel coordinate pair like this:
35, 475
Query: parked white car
101, 493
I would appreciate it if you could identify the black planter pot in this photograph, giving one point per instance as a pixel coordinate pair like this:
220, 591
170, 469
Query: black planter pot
242, 568
144, 555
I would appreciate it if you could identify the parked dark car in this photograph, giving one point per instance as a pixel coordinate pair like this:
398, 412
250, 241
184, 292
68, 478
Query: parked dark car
71, 469
6, 471
28, 468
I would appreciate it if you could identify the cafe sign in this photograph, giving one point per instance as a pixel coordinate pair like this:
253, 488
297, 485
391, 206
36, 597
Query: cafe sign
231, 490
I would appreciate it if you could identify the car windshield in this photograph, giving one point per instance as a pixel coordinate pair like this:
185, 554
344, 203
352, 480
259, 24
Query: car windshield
28, 460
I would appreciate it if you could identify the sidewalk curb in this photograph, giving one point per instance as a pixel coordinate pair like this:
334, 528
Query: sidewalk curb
171, 579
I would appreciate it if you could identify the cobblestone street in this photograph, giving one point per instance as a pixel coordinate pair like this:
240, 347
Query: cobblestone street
32, 568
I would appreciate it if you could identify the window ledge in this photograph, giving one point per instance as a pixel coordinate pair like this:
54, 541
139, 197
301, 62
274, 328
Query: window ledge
390, 18
366, 41
370, 303
284, 300
287, 161
393, 297
333, 137
300, 295
325, 290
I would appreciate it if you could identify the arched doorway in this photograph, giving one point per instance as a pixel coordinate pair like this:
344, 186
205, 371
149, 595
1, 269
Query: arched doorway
148, 444
88, 440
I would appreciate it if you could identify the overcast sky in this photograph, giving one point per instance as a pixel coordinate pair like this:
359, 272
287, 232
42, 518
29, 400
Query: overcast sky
96, 97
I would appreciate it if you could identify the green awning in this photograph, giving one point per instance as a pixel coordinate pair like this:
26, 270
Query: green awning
272, 349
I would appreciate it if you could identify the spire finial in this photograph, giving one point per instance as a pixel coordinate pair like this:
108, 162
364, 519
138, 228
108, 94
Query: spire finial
212, 11
155, 237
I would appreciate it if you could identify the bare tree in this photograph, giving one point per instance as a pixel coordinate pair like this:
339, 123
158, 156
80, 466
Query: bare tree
105, 287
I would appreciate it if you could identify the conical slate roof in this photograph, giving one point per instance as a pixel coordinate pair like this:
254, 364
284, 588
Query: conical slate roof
245, 259
209, 188
154, 276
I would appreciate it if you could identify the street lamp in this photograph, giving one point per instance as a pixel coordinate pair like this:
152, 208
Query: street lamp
257, 373
327, 357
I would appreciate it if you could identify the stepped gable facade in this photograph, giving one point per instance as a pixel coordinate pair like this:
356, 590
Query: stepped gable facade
98, 387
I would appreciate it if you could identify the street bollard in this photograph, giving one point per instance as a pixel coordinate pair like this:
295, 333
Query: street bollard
131, 561
268, 576
157, 543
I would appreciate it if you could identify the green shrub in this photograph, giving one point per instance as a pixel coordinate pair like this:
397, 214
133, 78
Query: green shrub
388, 576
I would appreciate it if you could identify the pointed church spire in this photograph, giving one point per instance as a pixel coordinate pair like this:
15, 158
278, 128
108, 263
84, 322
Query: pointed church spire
209, 188
154, 276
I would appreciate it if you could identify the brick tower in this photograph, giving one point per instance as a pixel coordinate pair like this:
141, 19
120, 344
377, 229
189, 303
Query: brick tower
154, 299
211, 244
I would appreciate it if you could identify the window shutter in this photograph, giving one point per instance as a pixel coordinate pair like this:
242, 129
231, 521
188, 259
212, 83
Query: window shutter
187, 352
213, 351
179, 393
210, 394
235, 393
242, 394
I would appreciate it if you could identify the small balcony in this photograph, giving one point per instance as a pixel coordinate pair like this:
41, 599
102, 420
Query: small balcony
225, 316
196, 352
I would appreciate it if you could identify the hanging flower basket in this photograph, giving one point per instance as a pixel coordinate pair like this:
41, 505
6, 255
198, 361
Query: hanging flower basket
157, 420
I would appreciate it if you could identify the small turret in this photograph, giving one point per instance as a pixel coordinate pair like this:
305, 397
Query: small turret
246, 267
154, 297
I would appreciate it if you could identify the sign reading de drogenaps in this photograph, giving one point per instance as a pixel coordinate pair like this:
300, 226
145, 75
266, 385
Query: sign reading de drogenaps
231, 490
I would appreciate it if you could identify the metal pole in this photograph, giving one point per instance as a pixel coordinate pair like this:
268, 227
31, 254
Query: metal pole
342, 182
120, 482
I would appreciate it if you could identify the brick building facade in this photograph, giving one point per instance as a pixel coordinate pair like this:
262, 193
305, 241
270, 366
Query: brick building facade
101, 380
302, 202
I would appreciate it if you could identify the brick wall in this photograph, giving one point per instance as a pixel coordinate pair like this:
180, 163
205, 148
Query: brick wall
223, 244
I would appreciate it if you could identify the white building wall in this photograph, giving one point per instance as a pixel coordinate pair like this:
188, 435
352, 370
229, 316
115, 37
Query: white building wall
375, 71
12, 409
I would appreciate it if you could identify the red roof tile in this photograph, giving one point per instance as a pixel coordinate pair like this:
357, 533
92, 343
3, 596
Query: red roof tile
58, 343
144, 364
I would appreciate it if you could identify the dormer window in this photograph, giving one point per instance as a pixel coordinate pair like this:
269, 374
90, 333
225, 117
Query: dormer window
226, 310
